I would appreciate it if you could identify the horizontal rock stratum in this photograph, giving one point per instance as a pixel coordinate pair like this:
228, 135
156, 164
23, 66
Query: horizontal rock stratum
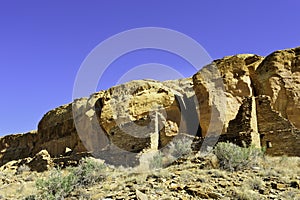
242, 98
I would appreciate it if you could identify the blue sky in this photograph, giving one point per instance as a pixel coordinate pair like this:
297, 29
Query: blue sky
43, 43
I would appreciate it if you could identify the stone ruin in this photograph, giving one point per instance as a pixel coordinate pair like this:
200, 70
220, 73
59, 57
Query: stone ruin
242, 99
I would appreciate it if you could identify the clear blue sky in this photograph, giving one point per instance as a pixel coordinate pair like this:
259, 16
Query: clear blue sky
43, 43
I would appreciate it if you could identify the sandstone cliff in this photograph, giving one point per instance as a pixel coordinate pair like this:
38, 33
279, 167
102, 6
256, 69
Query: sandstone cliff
242, 98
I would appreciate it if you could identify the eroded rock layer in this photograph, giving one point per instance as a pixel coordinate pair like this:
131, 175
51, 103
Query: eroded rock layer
278, 77
241, 98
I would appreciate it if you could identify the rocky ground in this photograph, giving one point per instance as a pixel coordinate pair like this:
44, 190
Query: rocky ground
192, 178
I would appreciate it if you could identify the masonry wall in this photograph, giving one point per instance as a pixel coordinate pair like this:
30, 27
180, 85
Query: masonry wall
243, 128
278, 135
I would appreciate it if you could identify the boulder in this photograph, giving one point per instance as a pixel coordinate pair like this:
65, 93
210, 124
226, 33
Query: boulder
41, 162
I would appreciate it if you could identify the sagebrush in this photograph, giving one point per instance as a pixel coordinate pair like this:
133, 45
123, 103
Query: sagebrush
59, 185
233, 157
180, 147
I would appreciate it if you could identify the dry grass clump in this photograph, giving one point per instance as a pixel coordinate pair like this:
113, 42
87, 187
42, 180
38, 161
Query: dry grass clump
244, 193
282, 168
254, 183
290, 194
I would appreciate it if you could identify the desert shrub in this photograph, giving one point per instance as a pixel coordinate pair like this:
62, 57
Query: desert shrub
232, 157
176, 149
89, 171
57, 186
180, 147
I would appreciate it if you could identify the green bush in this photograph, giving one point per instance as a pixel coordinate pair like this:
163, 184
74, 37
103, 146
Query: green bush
176, 149
180, 147
89, 171
232, 157
59, 186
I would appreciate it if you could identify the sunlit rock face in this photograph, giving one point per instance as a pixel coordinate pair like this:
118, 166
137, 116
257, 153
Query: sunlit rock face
278, 77
243, 98
221, 98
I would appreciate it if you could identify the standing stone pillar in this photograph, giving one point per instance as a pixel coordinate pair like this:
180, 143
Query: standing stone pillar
154, 137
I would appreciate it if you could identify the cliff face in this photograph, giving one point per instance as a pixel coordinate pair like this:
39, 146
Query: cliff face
14, 147
277, 84
242, 98
235, 85
278, 77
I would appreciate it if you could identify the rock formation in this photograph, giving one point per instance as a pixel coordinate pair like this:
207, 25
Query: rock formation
41, 162
277, 133
14, 147
278, 77
237, 98
277, 85
234, 86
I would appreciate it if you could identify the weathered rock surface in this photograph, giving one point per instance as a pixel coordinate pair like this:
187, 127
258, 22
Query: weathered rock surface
19, 146
128, 111
277, 85
278, 77
41, 162
56, 131
277, 133
232, 83
243, 128
243, 97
